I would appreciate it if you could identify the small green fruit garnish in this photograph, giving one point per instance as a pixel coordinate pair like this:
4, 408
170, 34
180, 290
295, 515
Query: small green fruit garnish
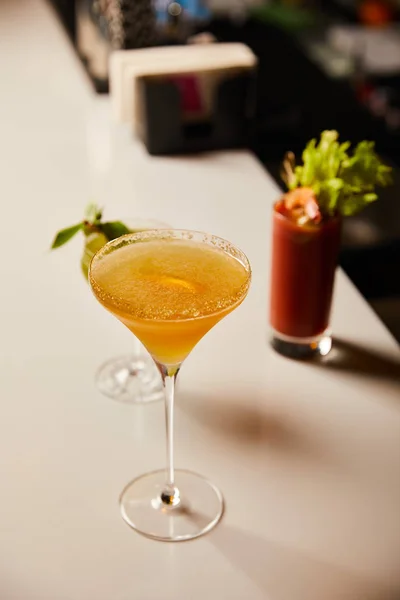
95, 231
93, 243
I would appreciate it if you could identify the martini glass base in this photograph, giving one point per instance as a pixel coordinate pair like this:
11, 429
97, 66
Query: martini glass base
200, 508
301, 348
131, 380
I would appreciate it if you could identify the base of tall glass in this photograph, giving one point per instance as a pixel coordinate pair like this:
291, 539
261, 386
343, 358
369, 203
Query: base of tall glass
130, 379
301, 348
199, 507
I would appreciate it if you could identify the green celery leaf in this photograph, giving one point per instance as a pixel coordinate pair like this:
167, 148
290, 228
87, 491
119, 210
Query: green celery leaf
329, 193
368, 198
384, 175
361, 174
114, 229
63, 236
343, 182
320, 169
356, 203
310, 164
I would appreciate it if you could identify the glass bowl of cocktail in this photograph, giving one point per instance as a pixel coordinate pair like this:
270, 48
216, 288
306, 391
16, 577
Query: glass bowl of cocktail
129, 378
170, 287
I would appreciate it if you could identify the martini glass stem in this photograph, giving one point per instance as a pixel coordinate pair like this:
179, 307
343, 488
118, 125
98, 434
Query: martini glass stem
137, 347
170, 495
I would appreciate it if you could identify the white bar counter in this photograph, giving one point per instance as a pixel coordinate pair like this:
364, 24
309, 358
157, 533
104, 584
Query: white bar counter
307, 456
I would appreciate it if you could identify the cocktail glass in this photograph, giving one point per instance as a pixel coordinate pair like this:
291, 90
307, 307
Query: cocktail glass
304, 261
131, 378
170, 287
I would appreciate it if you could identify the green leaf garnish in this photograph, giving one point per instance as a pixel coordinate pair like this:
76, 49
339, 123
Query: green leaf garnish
114, 229
91, 224
343, 183
63, 236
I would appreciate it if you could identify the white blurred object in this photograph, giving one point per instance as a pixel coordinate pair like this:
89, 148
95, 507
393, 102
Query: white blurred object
377, 49
202, 38
126, 66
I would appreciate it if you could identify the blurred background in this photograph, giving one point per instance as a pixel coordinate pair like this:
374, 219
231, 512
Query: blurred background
323, 64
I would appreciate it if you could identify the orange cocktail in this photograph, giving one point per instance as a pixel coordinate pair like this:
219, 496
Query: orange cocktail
169, 292
170, 287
